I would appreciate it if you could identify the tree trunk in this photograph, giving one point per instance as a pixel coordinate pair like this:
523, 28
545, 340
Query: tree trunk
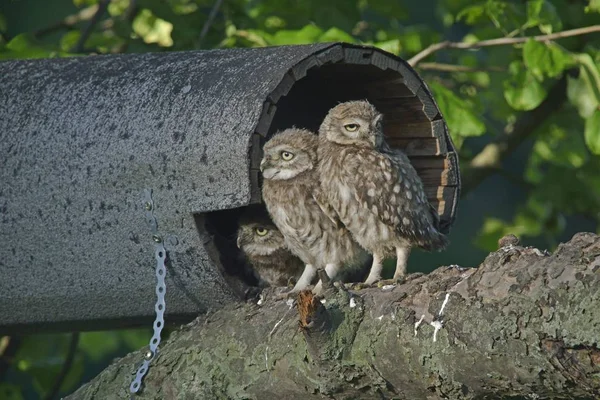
522, 324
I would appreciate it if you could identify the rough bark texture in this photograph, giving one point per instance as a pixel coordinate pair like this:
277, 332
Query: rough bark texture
522, 324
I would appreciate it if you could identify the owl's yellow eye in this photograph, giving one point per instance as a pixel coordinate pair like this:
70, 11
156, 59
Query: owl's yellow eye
260, 231
351, 127
286, 155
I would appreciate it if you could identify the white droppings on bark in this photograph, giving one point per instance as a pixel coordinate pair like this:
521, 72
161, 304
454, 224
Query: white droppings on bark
437, 325
418, 323
444, 304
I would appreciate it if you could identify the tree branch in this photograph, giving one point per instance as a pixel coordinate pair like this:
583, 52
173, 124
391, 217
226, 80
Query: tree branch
209, 21
490, 157
522, 324
457, 68
66, 367
80, 45
499, 42
9, 345
69, 21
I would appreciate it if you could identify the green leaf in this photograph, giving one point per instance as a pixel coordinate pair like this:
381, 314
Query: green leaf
25, 46
69, 40
592, 132
153, 29
522, 90
472, 14
459, 113
308, 34
594, 6
543, 14
584, 91
562, 145
336, 35
506, 15
392, 46
545, 59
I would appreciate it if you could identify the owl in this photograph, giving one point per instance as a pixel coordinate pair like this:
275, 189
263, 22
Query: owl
291, 192
374, 190
264, 248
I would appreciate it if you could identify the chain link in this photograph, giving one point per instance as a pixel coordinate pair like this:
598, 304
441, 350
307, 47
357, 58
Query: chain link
161, 255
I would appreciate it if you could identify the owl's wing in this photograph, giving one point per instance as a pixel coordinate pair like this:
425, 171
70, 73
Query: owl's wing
324, 205
388, 185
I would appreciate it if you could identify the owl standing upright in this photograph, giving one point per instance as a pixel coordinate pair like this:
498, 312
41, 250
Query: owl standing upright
290, 192
264, 249
374, 190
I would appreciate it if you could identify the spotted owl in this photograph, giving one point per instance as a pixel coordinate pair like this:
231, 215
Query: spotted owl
374, 190
264, 248
290, 192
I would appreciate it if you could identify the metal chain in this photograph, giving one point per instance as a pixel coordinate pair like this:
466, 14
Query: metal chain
160, 254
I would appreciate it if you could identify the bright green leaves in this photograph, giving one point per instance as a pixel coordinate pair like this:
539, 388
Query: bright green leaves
153, 29
545, 59
593, 6
307, 34
584, 91
561, 143
511, 18
459, 113
592, 132
543, 14
522, 90
25, 46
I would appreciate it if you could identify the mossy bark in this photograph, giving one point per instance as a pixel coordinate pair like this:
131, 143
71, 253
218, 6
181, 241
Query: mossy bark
522, 324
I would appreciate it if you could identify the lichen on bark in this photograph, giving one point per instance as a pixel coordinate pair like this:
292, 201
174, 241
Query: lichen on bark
524, 323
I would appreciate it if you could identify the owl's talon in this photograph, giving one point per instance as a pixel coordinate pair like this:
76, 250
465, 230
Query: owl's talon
394, 281
357, 286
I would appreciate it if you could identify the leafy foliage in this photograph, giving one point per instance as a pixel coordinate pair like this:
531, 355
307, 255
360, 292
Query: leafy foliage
555, 170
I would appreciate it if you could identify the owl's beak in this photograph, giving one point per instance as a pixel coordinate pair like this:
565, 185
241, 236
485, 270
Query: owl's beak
264, 163
239, 242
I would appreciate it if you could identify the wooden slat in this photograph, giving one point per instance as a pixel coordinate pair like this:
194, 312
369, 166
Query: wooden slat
422, 129
382, 90
440, 192
419, 146
390, 106
416, 147
423, 163
437, 171
437, 177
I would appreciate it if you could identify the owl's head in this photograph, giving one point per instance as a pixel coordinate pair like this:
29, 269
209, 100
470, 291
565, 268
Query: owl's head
257, 235
288, 154
355, 123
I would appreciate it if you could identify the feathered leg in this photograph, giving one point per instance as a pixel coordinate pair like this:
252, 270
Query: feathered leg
376, 267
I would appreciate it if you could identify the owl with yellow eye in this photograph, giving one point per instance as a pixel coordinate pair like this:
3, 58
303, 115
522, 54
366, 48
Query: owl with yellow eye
264, 249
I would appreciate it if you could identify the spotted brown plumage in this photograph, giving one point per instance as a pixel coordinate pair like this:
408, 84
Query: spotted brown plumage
290, 192
374, 190
264, 249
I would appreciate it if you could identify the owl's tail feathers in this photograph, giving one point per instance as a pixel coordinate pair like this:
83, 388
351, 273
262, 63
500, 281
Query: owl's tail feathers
435, 241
